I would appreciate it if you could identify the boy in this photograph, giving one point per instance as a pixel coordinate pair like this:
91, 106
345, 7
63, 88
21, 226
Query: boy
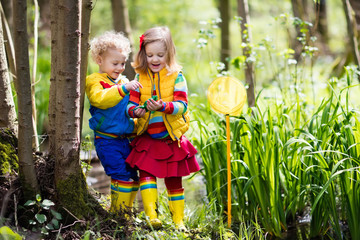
108, 94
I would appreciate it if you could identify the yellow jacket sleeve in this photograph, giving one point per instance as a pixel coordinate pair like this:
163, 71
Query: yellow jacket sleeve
107, 97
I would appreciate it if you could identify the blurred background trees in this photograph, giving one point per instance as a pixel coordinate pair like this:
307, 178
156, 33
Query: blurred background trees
185, 21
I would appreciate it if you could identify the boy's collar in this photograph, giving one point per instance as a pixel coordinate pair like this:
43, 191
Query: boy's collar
116, 80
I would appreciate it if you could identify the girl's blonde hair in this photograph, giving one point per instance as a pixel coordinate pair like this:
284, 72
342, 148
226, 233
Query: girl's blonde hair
109, 39
151, 35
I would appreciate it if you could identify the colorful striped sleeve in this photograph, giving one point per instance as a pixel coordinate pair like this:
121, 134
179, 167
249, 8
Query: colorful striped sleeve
122, 90
179, 105
133, 102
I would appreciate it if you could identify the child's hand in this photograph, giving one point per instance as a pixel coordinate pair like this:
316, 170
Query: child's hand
153, 105
139, 112
133, 85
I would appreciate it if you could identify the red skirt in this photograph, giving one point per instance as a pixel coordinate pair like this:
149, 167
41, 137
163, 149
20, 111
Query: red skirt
163, 158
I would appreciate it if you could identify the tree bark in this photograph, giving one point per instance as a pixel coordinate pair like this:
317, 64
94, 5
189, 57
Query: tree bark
9, 47
321, 25
243, 11
52, 91
224, 7
87, 6
25, 153
69, 180
121, 23
7, 8
299, 12
7, 106
352, 30
45, 16
355, 4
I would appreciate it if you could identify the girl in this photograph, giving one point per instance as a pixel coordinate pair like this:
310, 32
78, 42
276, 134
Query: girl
161, 150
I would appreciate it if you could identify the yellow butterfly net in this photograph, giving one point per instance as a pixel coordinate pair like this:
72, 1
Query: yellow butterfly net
227, 95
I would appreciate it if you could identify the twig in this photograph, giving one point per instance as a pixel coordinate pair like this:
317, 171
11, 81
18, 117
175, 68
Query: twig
58, 235
5, 201
70, 225
71, 214
16, 220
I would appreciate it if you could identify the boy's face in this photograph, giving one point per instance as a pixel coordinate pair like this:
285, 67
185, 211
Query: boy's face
156, 56
112, 62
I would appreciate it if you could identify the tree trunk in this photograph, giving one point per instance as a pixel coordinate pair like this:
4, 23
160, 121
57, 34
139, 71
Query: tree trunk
9, 47
69, 180
351, 25
87, 6
224, 7
322, 22
7, 8
243, 11
52, 91
299, 12
321, 25
121, 23
45, 16
7, 106
355, 4
26, 165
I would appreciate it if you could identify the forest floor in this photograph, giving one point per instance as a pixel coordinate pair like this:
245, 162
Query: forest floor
24, 220
37, 221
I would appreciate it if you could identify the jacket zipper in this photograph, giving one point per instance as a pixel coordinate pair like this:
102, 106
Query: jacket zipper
172, 131
148, 119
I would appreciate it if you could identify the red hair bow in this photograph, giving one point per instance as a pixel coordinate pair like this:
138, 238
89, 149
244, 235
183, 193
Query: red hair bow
141, 40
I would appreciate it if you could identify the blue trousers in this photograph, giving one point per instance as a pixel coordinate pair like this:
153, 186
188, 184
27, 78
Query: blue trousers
112, 154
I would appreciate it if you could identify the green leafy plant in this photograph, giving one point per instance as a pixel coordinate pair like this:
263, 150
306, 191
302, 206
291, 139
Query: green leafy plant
8, 233
45, 217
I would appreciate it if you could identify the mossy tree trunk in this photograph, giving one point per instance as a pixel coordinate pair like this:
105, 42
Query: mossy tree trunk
70, 182
7, 106
25, 152
121, 22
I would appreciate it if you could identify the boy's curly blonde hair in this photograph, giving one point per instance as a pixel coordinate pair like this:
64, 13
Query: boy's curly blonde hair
109, 39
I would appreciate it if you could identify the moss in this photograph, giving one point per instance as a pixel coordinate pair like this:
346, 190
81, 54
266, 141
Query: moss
8, 154
74, 195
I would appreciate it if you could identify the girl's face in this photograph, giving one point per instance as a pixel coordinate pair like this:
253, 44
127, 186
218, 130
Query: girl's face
112, 62
156, 56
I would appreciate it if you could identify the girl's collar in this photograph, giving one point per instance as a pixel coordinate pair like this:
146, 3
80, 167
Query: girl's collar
162, 72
